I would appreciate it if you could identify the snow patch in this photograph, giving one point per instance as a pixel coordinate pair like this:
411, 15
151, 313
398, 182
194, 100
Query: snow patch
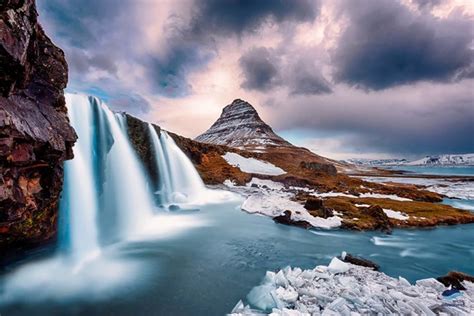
274, 204
266, 184
252, 165
363, 195
395, 214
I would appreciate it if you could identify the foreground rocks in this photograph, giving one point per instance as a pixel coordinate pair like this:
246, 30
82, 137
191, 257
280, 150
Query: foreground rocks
35, 135
286, 219
346, 289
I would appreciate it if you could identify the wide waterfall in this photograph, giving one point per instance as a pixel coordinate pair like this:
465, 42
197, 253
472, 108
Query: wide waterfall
179, 182
105, 196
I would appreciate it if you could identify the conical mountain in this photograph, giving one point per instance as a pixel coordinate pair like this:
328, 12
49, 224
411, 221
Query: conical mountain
240, 126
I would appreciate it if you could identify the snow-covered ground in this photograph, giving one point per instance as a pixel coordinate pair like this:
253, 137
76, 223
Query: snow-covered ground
252, 165
270, 198
345, 289
363, 195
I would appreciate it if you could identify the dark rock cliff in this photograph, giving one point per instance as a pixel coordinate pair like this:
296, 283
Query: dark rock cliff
35, 135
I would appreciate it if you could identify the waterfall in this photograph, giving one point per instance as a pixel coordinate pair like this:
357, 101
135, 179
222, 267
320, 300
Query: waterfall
105, 195
179, 182
79, 204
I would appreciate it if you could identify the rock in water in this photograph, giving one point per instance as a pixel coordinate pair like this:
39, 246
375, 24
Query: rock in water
286, 219
35, 135
346, 257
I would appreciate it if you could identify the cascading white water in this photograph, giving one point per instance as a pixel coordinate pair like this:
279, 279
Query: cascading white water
105, 195
79, 205
125, 187
165, 187
179, 180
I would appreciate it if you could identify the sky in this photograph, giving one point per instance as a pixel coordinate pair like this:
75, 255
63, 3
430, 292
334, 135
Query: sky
344, 78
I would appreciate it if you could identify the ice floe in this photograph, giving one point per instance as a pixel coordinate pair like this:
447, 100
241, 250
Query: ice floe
252, 165
345, 289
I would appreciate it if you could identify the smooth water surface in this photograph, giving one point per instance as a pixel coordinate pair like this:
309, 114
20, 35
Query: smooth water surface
206, 269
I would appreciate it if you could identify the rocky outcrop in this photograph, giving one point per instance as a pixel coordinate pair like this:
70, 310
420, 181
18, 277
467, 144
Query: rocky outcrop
286, 219
240, 126
35, 135
347, 257
319, 167
381, 219
140, 139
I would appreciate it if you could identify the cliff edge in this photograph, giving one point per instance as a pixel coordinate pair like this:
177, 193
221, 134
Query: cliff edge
35, 135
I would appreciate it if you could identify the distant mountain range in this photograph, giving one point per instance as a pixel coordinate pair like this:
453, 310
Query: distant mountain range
436, 160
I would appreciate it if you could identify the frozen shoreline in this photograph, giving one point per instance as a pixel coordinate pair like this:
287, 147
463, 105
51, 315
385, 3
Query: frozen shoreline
345, 289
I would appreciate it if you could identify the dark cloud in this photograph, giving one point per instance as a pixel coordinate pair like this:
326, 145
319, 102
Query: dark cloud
192, 44
306, 79
264, 69
427, 3
260, 69
239, 16
386, 44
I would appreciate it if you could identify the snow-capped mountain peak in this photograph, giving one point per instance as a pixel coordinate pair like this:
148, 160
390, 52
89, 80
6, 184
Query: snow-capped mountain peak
462, 159
240, 126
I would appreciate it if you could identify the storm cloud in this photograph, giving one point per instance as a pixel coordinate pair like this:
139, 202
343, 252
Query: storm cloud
192, 44
264, 69
364, 76
260, 69
386, 44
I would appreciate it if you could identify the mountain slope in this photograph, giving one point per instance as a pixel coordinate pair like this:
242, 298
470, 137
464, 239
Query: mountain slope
240, 126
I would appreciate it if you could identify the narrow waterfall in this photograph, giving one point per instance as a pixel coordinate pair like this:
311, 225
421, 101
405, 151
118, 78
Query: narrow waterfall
79, 204
179, 182
105, 195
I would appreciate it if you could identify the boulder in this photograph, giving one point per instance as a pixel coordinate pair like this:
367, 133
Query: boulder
286, 219
346, 257
382, 221
319, 167
455, 279
313, 204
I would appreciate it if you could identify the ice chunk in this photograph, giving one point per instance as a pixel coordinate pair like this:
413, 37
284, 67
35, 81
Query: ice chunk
338, 266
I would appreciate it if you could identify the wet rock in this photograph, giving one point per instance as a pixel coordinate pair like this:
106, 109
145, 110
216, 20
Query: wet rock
286, 219
382, 221
35, 135
455, 279
346, 257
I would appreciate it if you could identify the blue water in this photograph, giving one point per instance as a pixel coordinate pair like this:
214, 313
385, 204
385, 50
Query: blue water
454, 171
207, 269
